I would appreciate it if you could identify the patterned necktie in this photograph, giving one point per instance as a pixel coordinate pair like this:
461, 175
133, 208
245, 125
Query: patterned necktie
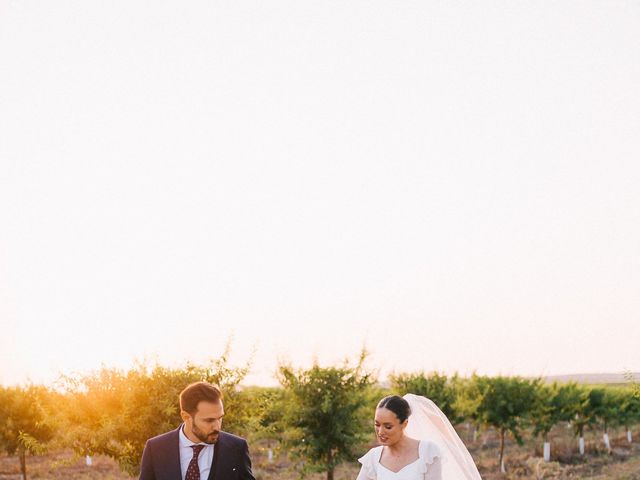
193, 471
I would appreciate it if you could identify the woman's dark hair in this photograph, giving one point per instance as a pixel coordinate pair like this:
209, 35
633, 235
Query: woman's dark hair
397, 405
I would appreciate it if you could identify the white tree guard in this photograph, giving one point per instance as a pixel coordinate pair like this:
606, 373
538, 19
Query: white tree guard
547, 451
581, 445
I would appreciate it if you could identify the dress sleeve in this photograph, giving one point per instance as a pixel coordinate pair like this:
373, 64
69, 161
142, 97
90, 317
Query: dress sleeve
432, 456
368, 469
434, 470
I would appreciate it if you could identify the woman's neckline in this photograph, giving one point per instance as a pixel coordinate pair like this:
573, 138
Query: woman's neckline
405, 466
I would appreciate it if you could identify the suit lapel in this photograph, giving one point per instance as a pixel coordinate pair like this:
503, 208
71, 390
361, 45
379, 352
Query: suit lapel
217, 464
172, 459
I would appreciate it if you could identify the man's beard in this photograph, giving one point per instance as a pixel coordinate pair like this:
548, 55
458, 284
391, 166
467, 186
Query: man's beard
210, 438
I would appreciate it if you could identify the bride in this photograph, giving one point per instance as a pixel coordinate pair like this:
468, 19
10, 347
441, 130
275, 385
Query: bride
417, 442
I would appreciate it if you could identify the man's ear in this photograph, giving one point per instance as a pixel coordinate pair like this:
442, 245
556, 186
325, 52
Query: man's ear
185, 415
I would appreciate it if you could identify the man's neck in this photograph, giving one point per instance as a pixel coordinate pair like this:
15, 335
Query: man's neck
189, 434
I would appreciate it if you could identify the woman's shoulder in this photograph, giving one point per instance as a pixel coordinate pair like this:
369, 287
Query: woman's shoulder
371, 456
429, 451
369, 460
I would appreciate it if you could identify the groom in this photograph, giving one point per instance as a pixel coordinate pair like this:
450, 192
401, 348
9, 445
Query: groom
197, 449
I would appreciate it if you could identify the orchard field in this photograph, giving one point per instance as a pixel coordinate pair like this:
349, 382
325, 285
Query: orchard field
318, 422
525, 463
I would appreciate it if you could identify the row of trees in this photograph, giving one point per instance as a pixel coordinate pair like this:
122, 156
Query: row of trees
513, 404
321, 416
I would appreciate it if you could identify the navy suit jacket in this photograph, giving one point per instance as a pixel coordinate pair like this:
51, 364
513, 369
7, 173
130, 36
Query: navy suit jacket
161, 458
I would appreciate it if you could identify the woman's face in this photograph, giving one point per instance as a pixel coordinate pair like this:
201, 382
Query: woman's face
388, 428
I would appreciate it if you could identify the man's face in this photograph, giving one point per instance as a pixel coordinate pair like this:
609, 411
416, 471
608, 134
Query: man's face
206, 422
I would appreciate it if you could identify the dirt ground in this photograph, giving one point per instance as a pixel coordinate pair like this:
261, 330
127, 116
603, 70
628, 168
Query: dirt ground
522, 463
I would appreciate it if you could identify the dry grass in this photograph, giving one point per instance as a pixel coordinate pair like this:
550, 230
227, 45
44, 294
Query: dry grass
526, 462
522, 463
61, 465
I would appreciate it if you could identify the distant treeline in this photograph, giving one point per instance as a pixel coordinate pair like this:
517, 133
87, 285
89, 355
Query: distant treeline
321, 416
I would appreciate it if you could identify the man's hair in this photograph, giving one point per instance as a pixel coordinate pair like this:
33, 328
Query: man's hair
198, 392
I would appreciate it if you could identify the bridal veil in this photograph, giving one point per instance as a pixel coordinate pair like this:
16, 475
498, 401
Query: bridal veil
427, 422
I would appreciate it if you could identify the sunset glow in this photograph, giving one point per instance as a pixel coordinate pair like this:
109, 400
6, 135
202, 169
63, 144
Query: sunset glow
452, 186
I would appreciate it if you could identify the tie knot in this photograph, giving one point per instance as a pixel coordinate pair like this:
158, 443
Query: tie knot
196, 450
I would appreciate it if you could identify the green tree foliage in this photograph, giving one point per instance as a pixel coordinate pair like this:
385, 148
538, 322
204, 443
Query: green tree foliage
114, 412
322, 415
598, 405
580, 410
25, 425
262, 419
326, 413
629, 412
467, 404
635, 386
553, 404
505, 404
603, 408
435, 386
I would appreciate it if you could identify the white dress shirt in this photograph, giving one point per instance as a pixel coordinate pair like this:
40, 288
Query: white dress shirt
186, 454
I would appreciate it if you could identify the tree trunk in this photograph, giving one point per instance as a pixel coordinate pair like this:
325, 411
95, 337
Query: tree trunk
269, 452
23, 463
502, 469
331, 467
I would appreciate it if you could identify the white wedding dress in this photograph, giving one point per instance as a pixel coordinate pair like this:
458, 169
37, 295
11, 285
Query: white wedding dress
442, 455
427, 467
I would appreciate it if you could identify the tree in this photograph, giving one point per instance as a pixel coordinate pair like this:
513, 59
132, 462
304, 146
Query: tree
262, 415
552, 405
24, 423
629, 412
437, 387
604, 408
325, 411
581, 413
467, 403
505, 404
113, 412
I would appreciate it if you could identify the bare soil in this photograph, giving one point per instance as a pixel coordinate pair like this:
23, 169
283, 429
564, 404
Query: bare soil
522, 462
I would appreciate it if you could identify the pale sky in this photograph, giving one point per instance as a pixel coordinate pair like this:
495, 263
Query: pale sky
454, 184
